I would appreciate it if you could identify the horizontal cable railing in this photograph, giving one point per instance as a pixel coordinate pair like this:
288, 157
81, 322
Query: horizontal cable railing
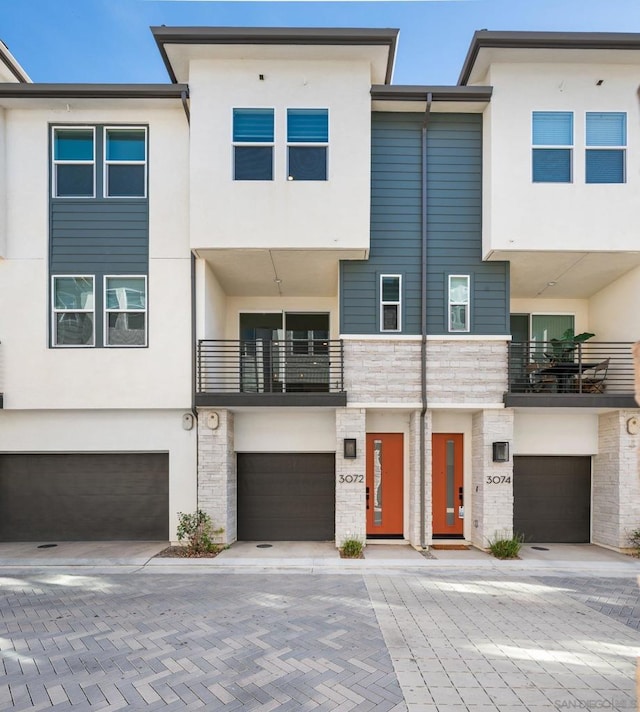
567, 367
265, 366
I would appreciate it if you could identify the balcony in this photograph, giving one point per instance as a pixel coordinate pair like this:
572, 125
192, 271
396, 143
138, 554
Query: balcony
264, 372
563, 374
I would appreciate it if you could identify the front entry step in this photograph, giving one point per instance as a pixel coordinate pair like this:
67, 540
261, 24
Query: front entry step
451, 545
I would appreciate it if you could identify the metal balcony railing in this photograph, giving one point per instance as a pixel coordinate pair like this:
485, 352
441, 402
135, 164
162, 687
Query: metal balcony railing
264, 366
568, 368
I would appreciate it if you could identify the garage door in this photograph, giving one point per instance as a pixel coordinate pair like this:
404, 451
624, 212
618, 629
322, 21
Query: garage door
286, 496
84, 497
552, 498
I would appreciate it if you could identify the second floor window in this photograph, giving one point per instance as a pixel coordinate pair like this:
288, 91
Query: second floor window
73, 302
99, 162
125, 305
459, 302
390, 302
74, 158
253, 137
552, 146
606, 147
307, 141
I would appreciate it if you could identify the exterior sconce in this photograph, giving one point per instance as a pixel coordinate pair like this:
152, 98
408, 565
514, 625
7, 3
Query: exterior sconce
350, 452
501, 452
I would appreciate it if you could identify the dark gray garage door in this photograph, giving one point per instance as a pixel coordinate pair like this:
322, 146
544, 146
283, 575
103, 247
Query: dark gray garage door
552, 498
286, 496
84, 497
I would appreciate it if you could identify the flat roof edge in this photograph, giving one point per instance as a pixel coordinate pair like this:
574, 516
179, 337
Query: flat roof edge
438, 93
93, 91
544, 40
276, 36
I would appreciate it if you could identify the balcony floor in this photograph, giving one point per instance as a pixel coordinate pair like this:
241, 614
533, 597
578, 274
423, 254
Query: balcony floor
229, 400
569, 400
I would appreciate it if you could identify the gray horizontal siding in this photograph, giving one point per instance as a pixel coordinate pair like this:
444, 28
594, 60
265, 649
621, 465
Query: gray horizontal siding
454, 211
99, 236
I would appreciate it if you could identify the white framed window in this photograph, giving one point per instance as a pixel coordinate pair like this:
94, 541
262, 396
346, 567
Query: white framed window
125, 162
552, 153
73, 310
307, 144
459, 302
73, 154
390, 302
606, 140
125, 310
253, 141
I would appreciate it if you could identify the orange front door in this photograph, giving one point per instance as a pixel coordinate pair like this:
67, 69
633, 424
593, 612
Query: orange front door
384, 484
447, 493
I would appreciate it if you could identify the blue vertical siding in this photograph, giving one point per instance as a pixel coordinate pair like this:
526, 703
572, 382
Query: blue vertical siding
454, 219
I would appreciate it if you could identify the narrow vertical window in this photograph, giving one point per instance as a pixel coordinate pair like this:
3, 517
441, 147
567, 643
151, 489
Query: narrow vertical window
552, 146
253, 136
125, 162
125, 301
307, 141
73, 162
390, 302
606, 147
72, 301
459, 302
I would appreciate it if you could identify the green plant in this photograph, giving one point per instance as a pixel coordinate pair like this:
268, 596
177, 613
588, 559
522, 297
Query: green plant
506, 547
352, 548
562, 349
197, 529
634, 541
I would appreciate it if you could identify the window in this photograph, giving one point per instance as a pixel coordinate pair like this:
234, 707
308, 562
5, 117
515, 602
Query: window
253, 136
73, 162
390, 302
307, 139
553, 143
125, 302
606, 142
73, 311
459, 302
125, 165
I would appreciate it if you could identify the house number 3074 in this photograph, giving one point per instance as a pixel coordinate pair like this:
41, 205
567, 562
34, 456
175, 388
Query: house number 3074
350, 479
498, 480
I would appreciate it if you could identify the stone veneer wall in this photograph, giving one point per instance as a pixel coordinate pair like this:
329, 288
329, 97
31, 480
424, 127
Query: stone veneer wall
458, 371
491, 503
217, 477
382, 371
615, 481
466, 371
351, 516
412, 479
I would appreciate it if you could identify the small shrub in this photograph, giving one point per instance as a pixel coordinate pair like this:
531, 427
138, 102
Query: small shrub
197, 529
506, 547
352, 548
634, 542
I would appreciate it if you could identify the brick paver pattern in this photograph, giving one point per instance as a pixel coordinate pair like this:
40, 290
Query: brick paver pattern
417, 641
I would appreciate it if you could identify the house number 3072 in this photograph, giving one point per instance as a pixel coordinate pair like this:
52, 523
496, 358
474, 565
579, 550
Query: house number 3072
349, 479
498, 480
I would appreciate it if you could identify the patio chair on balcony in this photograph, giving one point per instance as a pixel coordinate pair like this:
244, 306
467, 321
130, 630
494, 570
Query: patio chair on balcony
593, 379
540, 382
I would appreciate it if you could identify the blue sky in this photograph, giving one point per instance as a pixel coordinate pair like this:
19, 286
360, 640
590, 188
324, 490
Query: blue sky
109, 40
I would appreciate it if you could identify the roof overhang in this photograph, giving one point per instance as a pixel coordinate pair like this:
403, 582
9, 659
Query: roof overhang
488, 47
179, 45
443, 98
87, 95
9, 66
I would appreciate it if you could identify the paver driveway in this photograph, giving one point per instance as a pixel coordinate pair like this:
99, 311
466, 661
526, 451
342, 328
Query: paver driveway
298, 641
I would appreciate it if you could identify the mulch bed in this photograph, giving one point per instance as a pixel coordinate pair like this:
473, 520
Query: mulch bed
181, 552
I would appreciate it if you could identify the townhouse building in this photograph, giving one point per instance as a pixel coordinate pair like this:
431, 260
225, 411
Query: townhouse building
318, 305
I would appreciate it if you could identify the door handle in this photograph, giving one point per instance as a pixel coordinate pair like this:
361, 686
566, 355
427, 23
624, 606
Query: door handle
367, 498
461, 494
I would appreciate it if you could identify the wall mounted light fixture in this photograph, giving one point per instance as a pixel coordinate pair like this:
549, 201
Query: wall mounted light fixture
350, 448
501, 452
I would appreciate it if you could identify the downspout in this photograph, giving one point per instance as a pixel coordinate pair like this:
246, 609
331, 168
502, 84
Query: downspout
423, 320
185, 106
194, 356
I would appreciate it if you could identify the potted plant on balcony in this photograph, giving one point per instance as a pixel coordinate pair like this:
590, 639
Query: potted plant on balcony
562, 349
